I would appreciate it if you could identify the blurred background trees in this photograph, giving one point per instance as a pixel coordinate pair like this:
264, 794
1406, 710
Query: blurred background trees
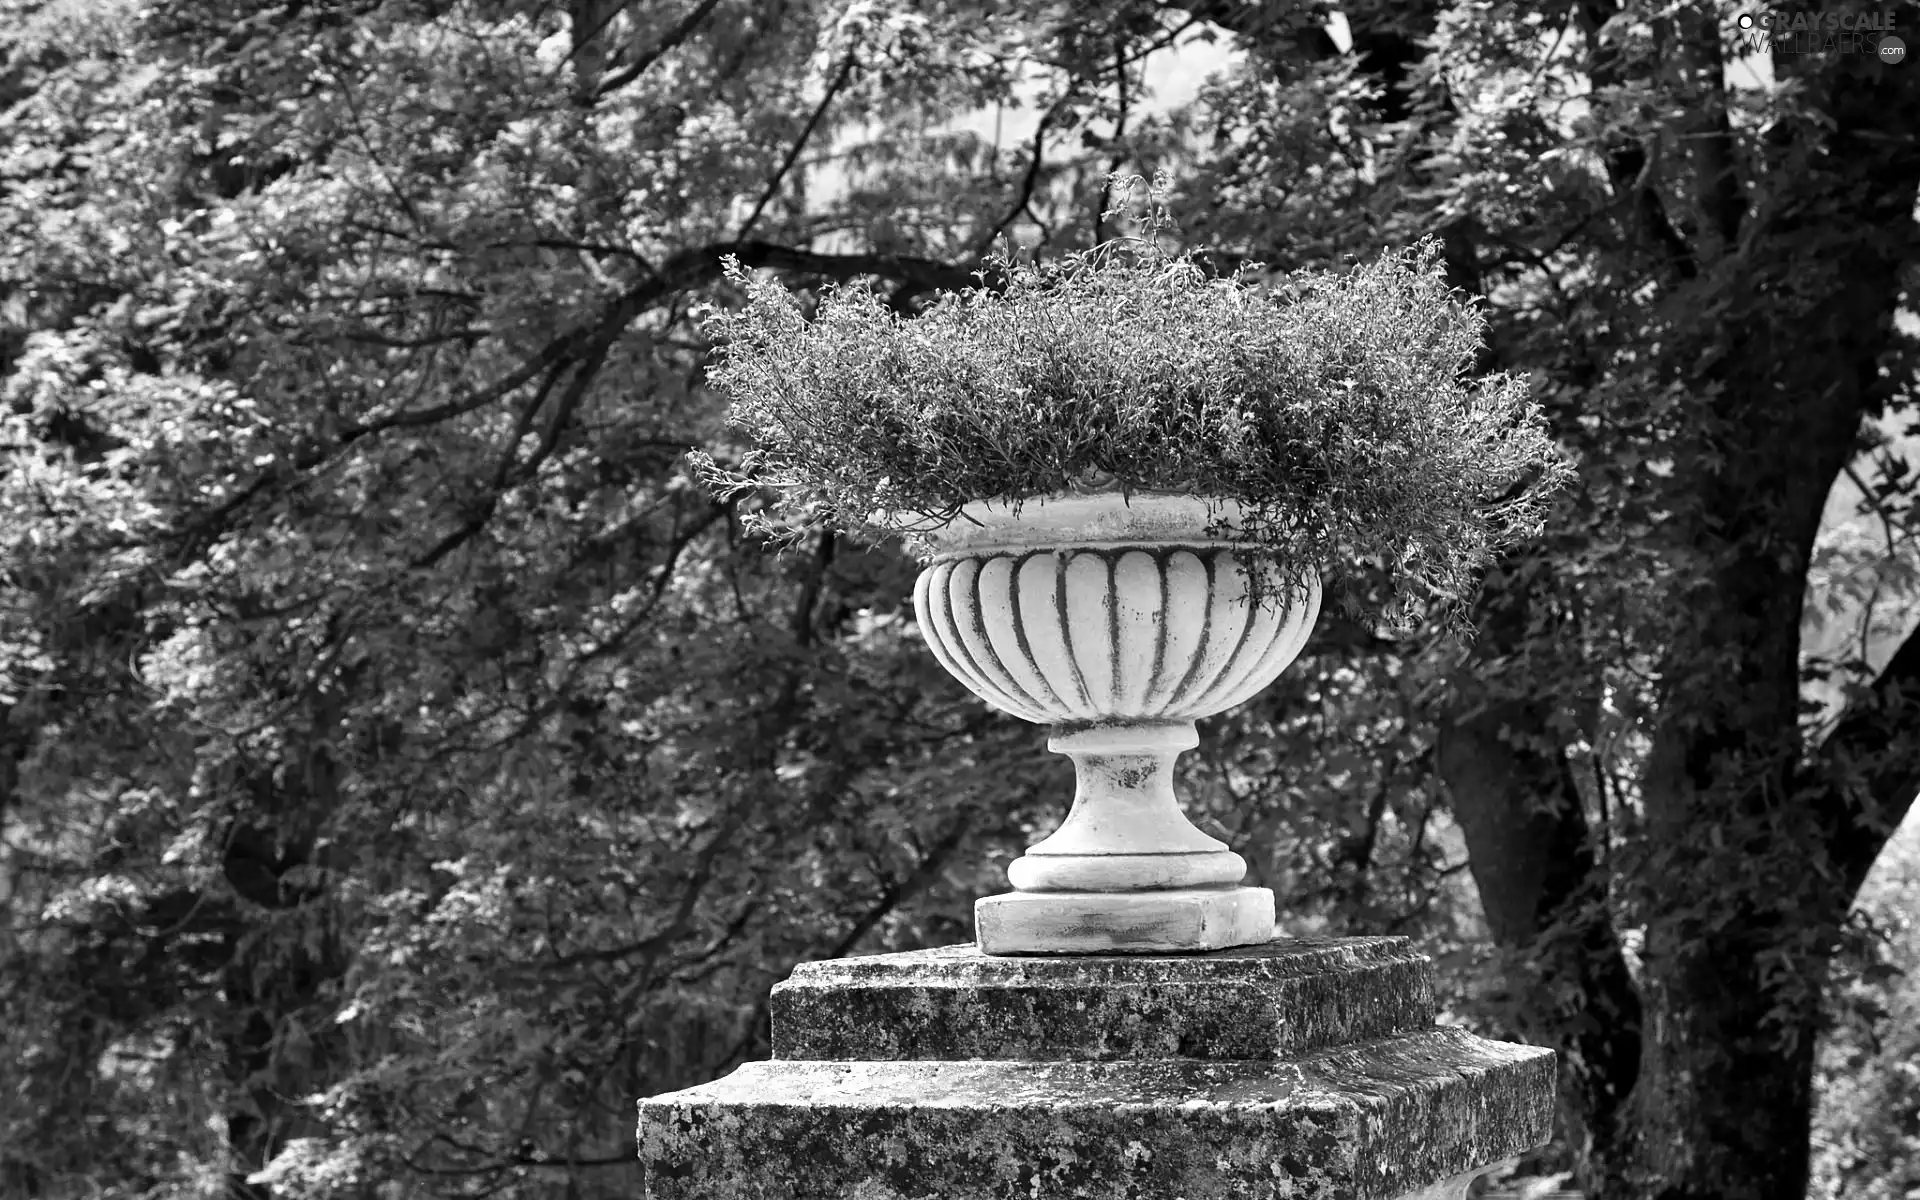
405, 768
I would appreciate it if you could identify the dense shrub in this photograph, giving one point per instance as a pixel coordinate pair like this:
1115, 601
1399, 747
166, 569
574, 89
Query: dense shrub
1338, 407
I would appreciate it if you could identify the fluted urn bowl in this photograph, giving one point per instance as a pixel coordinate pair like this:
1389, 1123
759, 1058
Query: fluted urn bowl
1118, 621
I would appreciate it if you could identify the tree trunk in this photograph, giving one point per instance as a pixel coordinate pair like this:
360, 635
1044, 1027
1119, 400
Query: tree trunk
1750, 868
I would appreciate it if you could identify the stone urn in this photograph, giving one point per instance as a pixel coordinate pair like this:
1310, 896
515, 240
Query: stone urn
1118, 621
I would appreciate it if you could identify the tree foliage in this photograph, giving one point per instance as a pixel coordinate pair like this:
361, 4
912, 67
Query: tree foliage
405, 766
1867, 1125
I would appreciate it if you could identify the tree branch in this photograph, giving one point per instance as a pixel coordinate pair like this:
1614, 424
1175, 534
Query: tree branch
898, 891
1720, 199
803, 605
800, 143
683, 272
504, 469
1032, 178
679, 33
675, 926
562, 413
892, 895
590, 342
1630, 168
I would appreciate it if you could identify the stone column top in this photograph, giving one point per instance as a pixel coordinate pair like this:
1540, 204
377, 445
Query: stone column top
1253, 1003
966, 966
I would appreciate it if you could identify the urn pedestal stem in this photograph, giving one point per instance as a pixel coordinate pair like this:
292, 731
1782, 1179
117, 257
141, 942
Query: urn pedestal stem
1125, 831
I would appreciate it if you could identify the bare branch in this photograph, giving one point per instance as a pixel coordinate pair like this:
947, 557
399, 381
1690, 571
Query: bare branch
892, 895
524, 425
793, 152
679, 33
1032, 178
562, 413
373, 338
898, 891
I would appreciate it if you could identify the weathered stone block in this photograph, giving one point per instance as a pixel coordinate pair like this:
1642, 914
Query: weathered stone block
1368, 1122
1298, 1069
1257, 1002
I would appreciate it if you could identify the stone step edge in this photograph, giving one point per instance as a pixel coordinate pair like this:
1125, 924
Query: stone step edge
1386, 1117
1405, 1060
966, 966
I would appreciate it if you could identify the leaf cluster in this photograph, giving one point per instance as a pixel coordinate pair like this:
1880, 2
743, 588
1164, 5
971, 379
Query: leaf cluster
1339, 408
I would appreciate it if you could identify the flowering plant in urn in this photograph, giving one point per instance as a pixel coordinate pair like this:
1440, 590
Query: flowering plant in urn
1127, 478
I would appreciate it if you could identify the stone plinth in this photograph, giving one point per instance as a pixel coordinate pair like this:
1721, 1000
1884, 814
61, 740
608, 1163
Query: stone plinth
1297, 1069
1253, 1002
1176, 919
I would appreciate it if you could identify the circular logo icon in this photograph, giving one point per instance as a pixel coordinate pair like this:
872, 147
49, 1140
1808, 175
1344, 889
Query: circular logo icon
1746, 21
1892, 49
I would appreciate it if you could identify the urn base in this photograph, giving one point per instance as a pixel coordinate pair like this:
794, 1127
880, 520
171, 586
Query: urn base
1162, 922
